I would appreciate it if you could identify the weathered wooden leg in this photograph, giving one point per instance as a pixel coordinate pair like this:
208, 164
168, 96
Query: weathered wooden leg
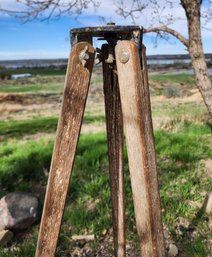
140, 146
115, 151
74, 99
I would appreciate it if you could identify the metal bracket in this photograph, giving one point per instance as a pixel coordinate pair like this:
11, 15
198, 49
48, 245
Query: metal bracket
110, 33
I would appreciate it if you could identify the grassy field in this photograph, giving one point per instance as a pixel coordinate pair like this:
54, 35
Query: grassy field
176, 78
51, 71
183, 145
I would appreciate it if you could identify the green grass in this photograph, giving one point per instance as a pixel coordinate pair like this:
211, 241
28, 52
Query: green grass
179, 152
181, 181
197, 129
37, 87
29, 86
180, 178
32, 88
179, 110
23, 164
19, 128
36, 71
197, 248
176, 78
188, 109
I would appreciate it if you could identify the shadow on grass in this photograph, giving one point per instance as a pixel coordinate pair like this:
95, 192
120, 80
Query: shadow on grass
20, 128
22, 166
181, 180
24, 127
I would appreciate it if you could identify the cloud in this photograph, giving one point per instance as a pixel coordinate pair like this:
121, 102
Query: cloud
11, 5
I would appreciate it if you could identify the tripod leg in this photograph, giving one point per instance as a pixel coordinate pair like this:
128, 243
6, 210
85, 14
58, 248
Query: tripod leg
74, 99
140, 145
115, 151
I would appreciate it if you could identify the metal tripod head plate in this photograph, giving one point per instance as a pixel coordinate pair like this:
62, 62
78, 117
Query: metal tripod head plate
109, 32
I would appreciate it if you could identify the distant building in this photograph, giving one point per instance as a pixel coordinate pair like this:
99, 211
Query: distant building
21, 76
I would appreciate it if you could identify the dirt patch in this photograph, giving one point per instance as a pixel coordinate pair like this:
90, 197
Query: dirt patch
21, 106
33, 80
194, 96
26, 106
93, 128
28, 99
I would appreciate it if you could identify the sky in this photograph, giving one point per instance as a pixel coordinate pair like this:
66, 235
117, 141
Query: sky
51, 39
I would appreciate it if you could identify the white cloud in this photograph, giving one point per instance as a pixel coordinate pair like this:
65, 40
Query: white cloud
11, 5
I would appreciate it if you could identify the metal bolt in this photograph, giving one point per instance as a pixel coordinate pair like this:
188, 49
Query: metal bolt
84, 56
124, 56
110, 58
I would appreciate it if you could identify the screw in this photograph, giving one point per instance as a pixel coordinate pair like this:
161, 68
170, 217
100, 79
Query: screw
84, 56
124, 56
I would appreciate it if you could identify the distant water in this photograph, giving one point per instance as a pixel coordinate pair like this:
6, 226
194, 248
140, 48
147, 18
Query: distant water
186, 71
62, 62
41, 65
159, 62
170, 61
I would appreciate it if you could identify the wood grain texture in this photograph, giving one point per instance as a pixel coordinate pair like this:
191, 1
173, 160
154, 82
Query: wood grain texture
114, 125
69, 125
140, 146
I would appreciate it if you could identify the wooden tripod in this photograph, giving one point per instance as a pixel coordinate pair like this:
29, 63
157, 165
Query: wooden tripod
126, 102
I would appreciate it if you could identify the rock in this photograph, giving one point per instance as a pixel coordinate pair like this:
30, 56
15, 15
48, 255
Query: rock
18, 211
5, 237
104, 232
182, 222
207, 205
86, 238
173, 250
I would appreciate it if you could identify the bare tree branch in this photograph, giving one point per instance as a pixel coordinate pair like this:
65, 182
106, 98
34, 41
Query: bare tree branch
170, 31
45, 10
137, 6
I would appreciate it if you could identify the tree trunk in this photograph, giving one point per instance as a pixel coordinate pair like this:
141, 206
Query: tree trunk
192, 9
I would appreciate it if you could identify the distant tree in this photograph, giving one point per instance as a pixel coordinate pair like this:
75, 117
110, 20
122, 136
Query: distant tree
193, 43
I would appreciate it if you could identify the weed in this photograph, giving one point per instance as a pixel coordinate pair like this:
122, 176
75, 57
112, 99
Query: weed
197, 248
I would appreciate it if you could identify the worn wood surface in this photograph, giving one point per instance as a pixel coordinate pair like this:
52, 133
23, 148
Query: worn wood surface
140, 146
74, 99
115, 151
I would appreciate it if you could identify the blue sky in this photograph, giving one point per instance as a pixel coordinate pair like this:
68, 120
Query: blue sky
50, 39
